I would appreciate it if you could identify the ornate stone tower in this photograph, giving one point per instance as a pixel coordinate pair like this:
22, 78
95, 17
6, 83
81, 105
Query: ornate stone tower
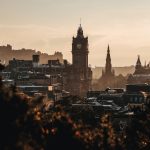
80, 76
80, 52
108, 78
108, 68
109, 72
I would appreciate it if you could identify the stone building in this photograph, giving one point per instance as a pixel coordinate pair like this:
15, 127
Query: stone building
79, 74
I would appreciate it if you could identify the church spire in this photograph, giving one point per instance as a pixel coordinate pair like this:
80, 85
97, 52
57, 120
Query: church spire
108, 67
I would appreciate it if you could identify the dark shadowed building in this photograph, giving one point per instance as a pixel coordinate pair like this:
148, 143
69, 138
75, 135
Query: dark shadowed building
141, 74
79, 75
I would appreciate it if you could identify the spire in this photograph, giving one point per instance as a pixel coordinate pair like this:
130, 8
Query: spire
138, 63
108, 67
80, 31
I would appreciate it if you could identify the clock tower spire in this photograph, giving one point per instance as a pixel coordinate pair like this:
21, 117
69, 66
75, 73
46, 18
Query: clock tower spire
80, 32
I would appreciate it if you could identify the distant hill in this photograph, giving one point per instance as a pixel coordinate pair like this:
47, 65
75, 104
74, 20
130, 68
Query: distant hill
7, 53
97, 71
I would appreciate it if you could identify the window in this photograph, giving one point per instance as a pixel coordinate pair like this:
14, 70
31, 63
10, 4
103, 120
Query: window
135, 99
131, 99
140, 99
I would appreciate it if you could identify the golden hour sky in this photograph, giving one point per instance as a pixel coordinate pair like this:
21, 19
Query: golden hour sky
48, 26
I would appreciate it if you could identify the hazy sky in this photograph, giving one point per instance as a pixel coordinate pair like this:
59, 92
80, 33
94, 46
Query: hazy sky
48, 26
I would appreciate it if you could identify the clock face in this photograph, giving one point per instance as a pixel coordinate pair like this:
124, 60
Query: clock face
79, 46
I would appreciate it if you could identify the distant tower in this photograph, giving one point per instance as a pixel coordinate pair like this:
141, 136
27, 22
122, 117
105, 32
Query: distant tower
80, 50
108, 62
108, 67
80, 74
108, 78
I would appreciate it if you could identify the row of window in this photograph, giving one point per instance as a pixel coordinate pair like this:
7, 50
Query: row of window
137, 99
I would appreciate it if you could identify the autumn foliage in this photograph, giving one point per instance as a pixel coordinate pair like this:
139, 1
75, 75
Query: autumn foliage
26, 125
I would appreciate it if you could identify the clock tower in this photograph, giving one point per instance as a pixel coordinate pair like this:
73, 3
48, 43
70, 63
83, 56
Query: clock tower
80, 75
80, 51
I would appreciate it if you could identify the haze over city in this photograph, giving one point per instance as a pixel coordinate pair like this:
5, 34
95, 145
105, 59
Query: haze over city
75, 74
48, 26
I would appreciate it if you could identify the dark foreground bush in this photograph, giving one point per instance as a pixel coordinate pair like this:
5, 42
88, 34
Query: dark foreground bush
24, 125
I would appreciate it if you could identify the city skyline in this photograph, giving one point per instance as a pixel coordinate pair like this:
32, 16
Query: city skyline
48, 26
